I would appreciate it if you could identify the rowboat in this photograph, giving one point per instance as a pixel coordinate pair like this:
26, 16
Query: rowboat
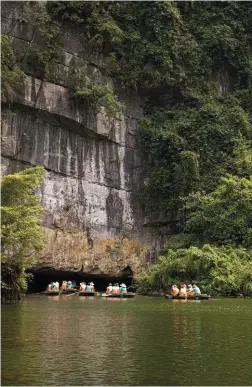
199, 297
70, 290
122, 295
86, 294
52, 293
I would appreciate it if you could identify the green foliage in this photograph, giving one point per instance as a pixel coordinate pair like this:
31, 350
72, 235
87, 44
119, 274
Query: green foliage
22, 236
44, 58
190, 148
217, 270
166, 44
95, 97
223, 216
11, 76
95, 18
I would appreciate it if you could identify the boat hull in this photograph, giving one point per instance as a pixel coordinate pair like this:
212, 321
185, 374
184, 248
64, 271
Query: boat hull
123, 295
67, 291
199, 297
86, 294
52, 293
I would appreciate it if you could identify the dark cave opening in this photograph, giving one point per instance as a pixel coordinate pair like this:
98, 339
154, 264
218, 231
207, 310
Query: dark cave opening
42, 277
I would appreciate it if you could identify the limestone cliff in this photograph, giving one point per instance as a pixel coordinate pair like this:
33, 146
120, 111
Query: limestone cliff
92, 161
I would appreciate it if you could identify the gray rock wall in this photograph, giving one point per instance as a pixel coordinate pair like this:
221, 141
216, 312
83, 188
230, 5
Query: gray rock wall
93, 165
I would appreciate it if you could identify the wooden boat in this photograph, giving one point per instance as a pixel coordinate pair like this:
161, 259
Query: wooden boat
70, 290
122, 295
52, 293
199, 297
86, 294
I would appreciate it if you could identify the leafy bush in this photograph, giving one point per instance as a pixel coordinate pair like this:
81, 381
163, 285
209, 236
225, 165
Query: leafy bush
11, 76
95, 97
44, 58
224, 215
189, 149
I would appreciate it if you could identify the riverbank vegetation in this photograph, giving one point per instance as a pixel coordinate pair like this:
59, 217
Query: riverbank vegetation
21, 237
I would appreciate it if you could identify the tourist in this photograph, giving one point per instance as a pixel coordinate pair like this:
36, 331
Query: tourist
64, 285
92, 286
189, 288
53, 286
88, 287
174, 290
196, 290
57, 285
123, 288
83, 286
117, 289
69, 285
109, 289
182, 291
49, 288
114, 289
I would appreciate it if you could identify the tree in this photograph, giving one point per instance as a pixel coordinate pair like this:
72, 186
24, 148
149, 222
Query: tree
22, 236
223, 217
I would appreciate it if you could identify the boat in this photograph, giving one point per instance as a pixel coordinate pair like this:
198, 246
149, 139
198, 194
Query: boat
86, 294
52, 293
122, 295
198, 297
70, 290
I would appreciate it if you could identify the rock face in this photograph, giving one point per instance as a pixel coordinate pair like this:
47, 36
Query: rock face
93, 165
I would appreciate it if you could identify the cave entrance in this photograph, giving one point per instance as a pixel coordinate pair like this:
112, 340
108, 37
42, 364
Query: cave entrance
42, 277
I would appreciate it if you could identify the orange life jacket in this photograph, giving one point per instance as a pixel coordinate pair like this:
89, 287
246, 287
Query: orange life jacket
174, 291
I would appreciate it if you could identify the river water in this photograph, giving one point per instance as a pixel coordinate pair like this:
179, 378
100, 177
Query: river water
143, 341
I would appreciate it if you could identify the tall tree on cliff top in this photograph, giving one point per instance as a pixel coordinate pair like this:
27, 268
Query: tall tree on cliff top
22, 236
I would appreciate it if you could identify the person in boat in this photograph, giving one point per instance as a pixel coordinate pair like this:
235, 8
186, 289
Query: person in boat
83, 286
117, 289
88, 287
69, 285
53, 286
49, 287
109, 289
114, 289
123, 288
196, 290
92, 286
174, 290
64, 285
189, 289
57, 285
182, 291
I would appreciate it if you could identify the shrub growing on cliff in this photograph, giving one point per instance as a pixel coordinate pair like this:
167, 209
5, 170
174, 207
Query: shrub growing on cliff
11, 76
44, 58
22, 236
95, 97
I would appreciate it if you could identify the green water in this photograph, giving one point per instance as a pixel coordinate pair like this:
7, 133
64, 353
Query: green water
142, 341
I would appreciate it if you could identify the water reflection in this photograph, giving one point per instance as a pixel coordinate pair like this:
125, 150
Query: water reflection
100, 341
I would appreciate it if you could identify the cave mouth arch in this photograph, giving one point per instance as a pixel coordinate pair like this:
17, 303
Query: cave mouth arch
43, 276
